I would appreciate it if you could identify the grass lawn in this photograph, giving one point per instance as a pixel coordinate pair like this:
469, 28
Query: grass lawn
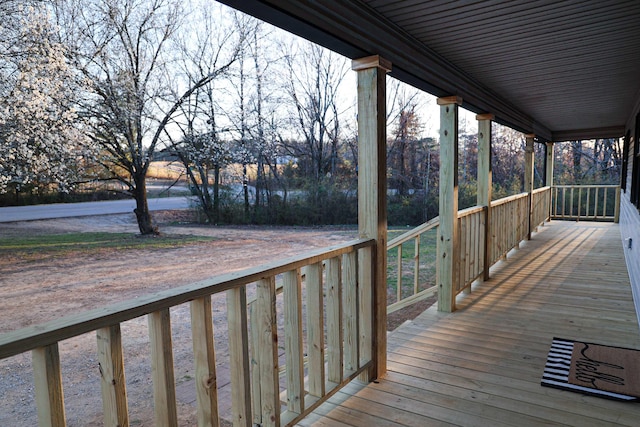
427, 264
69, 243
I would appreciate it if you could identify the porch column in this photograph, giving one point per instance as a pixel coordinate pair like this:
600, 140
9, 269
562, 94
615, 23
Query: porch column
485, 184
548, 176
372, 207
528, 177
448, 240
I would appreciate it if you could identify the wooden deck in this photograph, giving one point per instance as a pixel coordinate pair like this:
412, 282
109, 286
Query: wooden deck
481, 366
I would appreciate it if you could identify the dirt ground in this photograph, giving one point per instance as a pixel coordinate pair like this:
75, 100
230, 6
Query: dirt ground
38, 289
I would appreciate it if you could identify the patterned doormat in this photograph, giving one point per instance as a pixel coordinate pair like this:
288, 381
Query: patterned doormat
594, 369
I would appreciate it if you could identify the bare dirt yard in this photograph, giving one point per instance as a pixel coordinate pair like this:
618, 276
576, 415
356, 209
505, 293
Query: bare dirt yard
40, 288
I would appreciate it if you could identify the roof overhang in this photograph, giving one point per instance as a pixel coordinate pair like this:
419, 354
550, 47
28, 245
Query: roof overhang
522, 79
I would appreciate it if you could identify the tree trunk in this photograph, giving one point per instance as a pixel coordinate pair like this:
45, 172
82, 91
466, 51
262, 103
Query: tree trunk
245, 190
143, 216
216, 193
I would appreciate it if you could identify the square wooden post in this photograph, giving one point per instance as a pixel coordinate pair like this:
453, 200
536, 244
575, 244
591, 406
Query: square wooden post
548, 177
372, 194
485, 182
548, 181
528, 177
448, 243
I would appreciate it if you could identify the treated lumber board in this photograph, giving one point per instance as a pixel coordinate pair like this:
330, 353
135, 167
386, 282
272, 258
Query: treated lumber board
205, 362
448, 240
292, 284
452, 409
112, 378
489, 393
47, 381
372, 199
416, 401
315, 330
350, 295
164, 385
365, 310
335, 351
384, 414
496, 330
239, 358
268, 351
516, 391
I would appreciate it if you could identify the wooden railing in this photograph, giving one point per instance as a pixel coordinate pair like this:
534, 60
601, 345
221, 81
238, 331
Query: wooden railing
586, 202
422, 279
509, 225
540, 206
338, 322
471, 226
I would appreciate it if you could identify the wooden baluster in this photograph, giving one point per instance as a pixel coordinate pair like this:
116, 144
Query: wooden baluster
239, 357
571, 203
268, 350
579, 202
416, 264
616, 208
254, 363
462, 257
205, 362
315, 330
48, 386
365, 308
350, 295
292, 287
399, 269
334, 320
112, 378
164, 389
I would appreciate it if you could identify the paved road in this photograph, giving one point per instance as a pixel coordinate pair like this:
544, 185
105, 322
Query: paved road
66, 210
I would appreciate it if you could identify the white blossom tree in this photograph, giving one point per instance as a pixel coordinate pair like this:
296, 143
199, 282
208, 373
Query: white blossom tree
41, 142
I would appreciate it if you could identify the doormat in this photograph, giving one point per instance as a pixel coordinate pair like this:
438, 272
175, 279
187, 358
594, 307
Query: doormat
599, 370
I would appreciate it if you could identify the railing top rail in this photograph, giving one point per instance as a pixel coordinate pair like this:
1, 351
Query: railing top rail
41, 335
508, 199
588, 186
470, 211
432, 223
541, 189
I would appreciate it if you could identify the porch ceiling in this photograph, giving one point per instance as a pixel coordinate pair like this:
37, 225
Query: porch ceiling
560, 69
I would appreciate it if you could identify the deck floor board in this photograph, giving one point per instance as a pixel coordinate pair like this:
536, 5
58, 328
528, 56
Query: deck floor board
481, 365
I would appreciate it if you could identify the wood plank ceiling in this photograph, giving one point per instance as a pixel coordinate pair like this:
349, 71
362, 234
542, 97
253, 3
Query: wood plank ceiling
562, 69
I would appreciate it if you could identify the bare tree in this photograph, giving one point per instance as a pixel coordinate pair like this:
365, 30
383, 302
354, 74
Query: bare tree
124, 50
314, 80
209, 49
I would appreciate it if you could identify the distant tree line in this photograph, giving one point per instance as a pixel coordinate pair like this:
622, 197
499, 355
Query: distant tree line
264, 124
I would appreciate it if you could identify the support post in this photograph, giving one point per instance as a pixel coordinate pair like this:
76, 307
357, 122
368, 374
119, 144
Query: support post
548, 181
528, 178
372, 192
448, 243
485, 185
